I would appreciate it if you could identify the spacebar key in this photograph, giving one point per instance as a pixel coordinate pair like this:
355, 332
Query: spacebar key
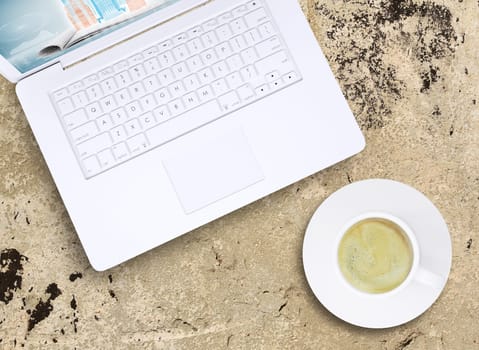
184, 123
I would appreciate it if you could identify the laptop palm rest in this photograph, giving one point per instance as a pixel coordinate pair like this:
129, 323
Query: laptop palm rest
213, 169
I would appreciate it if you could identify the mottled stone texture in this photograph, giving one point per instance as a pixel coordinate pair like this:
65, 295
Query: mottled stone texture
410, 72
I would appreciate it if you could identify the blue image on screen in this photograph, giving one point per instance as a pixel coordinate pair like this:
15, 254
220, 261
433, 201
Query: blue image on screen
29, 29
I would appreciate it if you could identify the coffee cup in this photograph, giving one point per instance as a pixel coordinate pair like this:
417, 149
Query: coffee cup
377, 255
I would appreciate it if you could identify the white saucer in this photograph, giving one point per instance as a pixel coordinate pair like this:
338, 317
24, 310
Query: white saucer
320, 254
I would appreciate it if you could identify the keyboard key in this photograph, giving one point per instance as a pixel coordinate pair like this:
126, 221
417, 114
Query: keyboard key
195, 31
84, 132
238, 26
277, 84
137, 90
290, 77
133, 109
279, 60
246, 93
104, 123
151, 83
180, 52
162, 114
75, 87
94, 110
262, 90
252, 37
122, 97
234, 80
151, 52
224, 32
176, 107
152, 66
256, 17
205, 93
108, 104
94, 92
121, 152
191, 82
75, 119
194, 63
180, 70
191, 100
119, 116
137, 72
206, 76
165, 45
166, 77
106, 159
209, 39
132, 127
249, 55
135, 59
266, 30
220, 69
249, 73
229, 101
162, 96
272, 76
137, 144
91, 79
60, 94
210, 24
252, 5
121, 66
224, 50
240, 11
220, 87
208, 57
123, 79
147, 102
94, 145
106, 72
80, 99
91, 165
225, 18
166, 59
118, 134
238, 43
108, 86
268, 47
235, 62
65, 106
147, 120
177, 89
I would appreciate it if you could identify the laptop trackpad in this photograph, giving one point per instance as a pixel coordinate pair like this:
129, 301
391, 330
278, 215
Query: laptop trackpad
213, 170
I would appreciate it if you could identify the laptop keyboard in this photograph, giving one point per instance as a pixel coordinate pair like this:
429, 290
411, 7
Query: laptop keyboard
176, 86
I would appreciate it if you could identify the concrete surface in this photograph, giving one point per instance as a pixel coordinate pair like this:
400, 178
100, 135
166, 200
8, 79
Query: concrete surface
409, 70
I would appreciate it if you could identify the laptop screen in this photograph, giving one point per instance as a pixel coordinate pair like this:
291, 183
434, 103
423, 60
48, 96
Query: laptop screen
35, 32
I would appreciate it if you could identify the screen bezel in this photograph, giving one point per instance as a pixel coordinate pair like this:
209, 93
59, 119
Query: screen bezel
10, 72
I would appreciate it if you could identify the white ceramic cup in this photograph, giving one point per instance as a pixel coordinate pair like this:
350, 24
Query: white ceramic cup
417, 273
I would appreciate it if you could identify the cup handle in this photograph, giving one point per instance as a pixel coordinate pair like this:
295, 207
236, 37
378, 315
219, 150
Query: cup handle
429, 278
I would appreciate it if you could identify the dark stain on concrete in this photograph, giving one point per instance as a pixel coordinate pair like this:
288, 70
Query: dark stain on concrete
359, 44
11, 271
73, 303
469, 244
43, 309
74, 276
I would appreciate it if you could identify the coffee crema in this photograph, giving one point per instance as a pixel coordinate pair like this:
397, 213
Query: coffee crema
375, 255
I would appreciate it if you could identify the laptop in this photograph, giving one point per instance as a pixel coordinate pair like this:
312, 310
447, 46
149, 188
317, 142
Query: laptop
156, 117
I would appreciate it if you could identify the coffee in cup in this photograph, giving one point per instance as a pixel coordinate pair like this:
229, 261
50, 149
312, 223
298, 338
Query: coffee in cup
375, 255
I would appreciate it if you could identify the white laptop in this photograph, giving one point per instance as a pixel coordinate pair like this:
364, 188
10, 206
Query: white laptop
156, 117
